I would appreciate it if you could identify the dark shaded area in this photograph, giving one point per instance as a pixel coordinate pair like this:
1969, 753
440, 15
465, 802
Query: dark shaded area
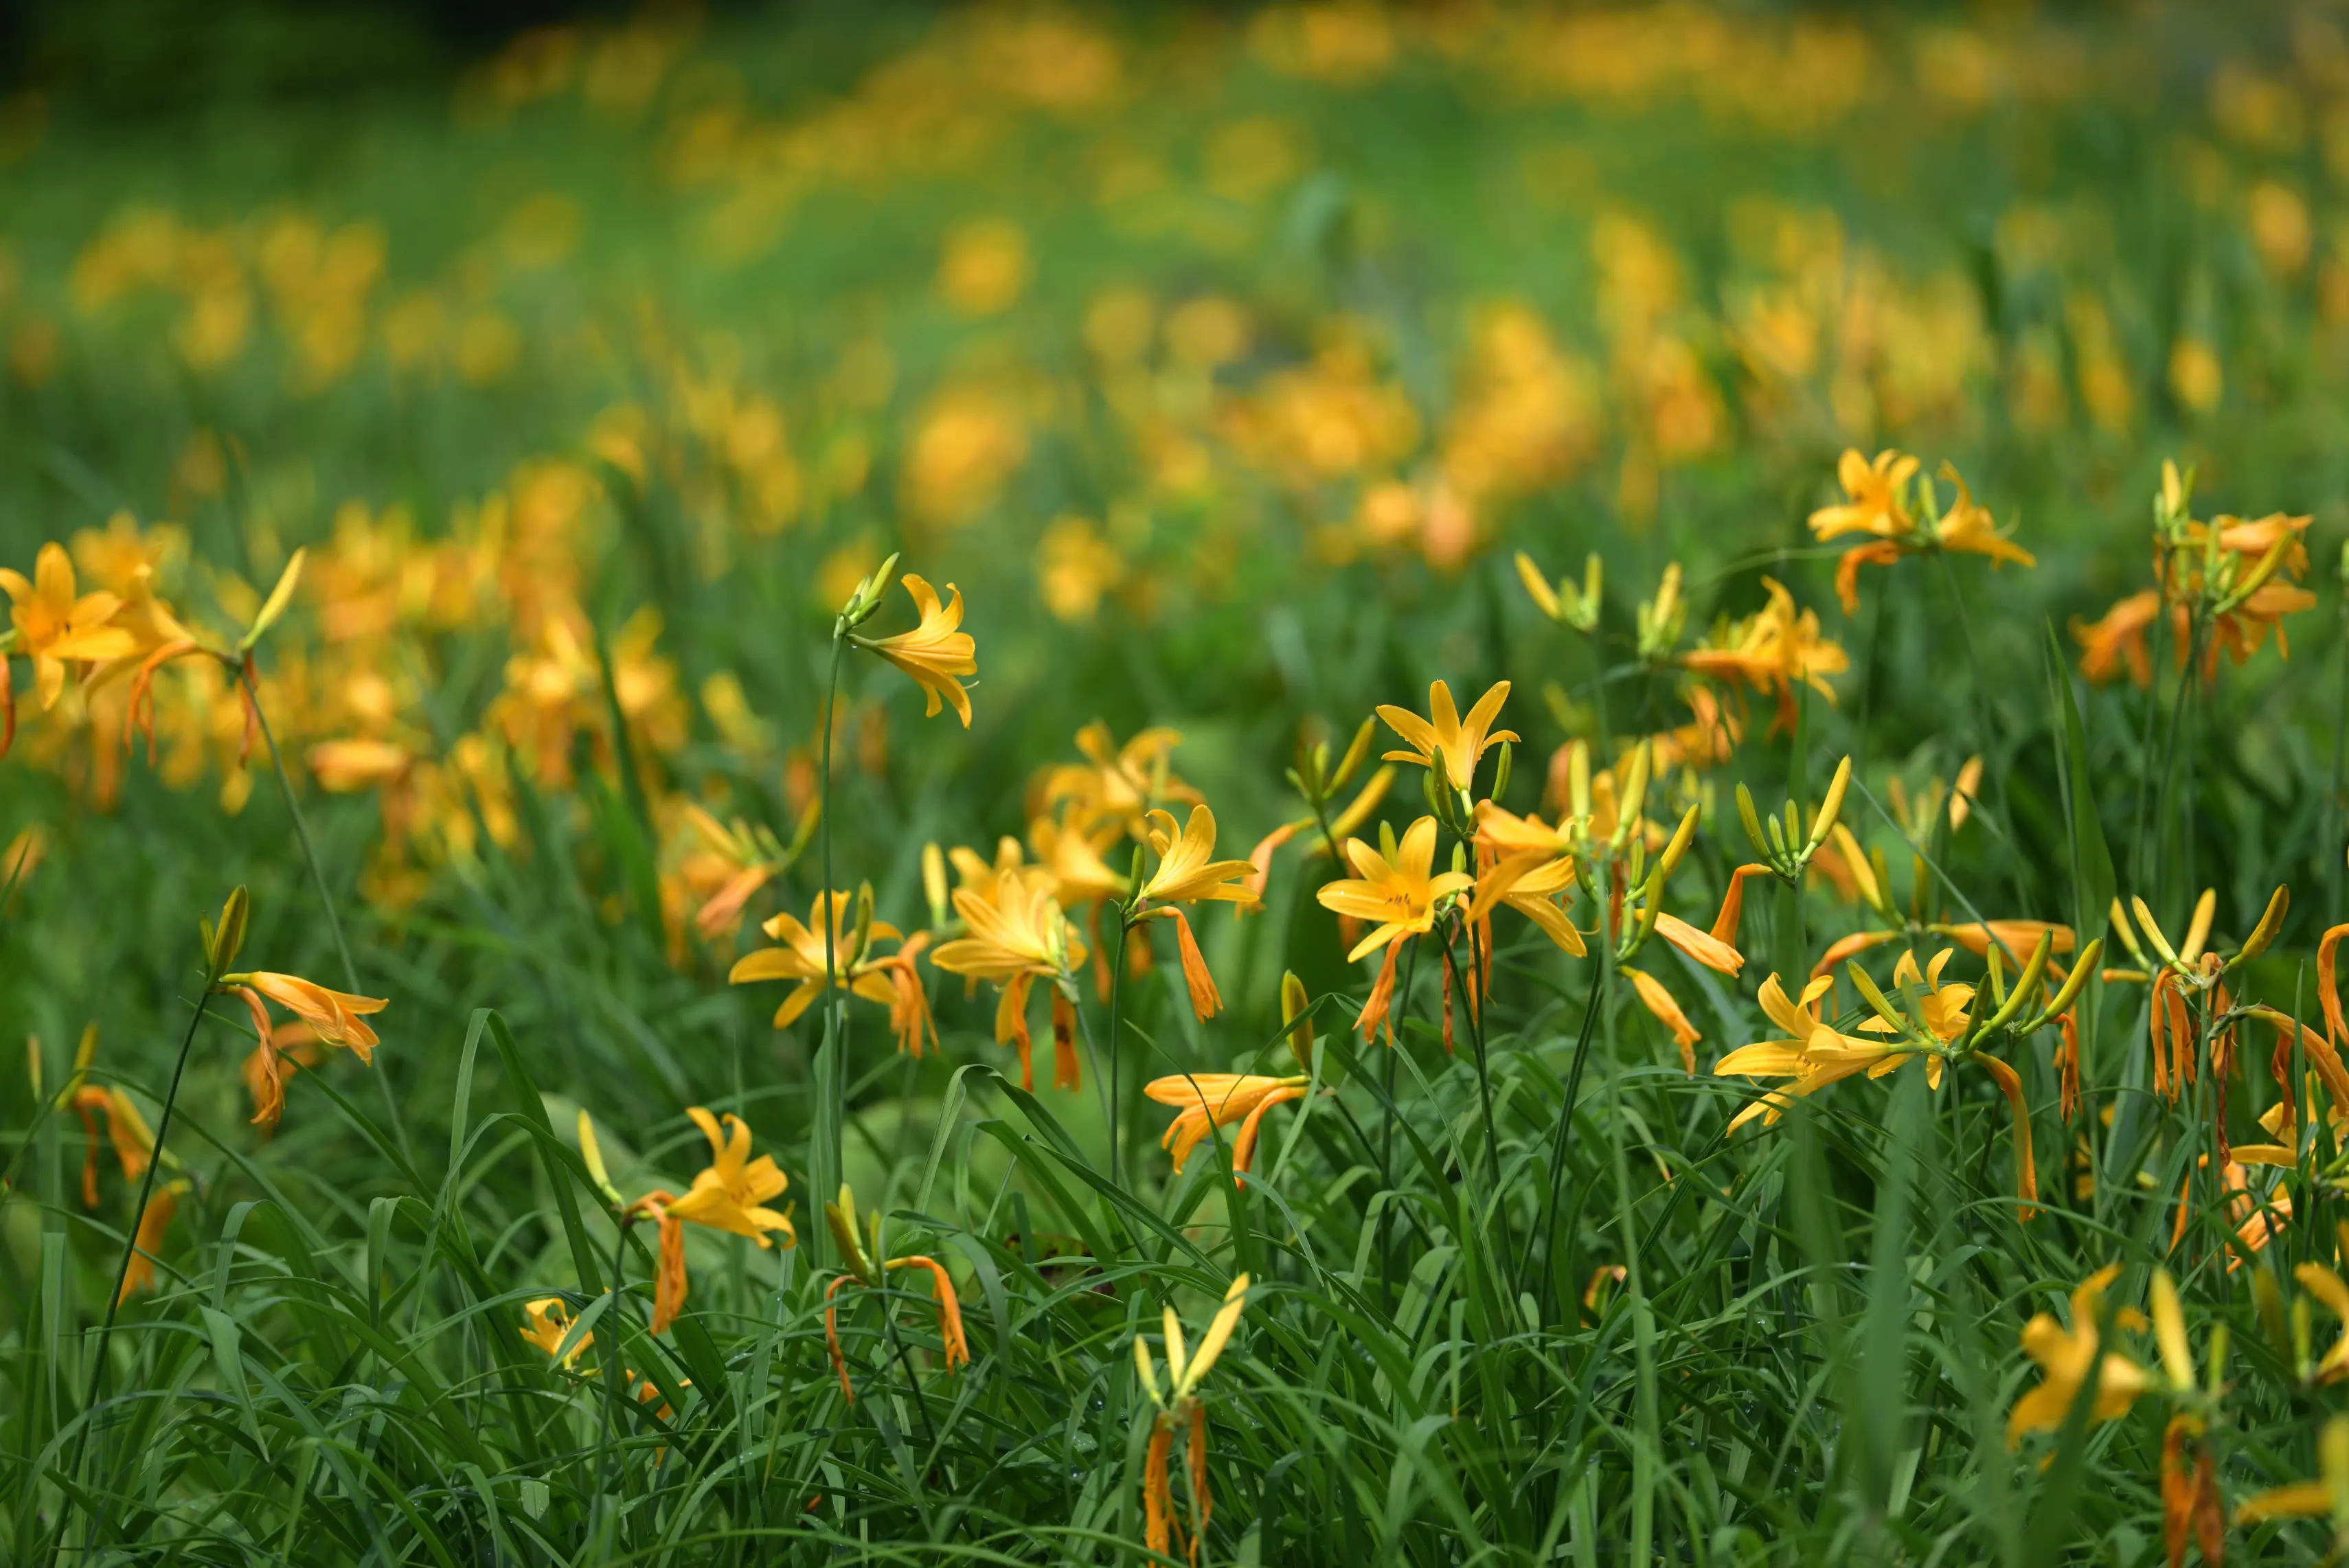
145, 57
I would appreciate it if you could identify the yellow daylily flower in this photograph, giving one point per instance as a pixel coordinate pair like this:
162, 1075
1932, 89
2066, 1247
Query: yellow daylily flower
934, 652
1772, 649
1809, 1052
55, 626
1968, 527
1529, 882
2327, 1496
550, 1320
729, 1194
1114, 784
1398, 897
1013, 939
2067, 1360
1185, 873
890, 979
1872, 490
1463, 741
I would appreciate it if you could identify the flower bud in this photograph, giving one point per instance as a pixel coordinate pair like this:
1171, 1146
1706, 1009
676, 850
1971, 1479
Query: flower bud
2270, 924
223, 939
274, 605
1297, 1020
1832, 807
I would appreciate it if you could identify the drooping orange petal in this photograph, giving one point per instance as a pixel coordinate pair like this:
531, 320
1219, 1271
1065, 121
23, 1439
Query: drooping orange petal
2328, 993
1204, 1000
2026, 1170
951, 1334
669, 1282
1374, 1010
1705, 948
1733, 903
1157, 1491
1667, 1010
1066, 1073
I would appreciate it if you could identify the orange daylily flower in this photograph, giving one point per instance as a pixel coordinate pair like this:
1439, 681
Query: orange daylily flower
1668, 1012
126, 1129
1873, 505
798, 954
2118, 638
934, 652
863, 1269
1014, 938
327, 1017
1772, 649
1115, 784
1180, 1407
153, 1220
729, 1194
1703, 946
1203, 1102
1399, 897
335, 1017
2069, 1358
1463, 741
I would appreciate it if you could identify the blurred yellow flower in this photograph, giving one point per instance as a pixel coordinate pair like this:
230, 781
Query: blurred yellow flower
2069, 1359
55, 626
984, 268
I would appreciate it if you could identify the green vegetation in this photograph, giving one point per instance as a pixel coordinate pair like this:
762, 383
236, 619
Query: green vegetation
591, 404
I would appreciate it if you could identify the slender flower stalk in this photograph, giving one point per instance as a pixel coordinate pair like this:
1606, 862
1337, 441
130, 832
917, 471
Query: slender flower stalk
220, 943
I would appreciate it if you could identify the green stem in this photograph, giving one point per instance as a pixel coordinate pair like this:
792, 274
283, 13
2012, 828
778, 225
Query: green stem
615, 1387
325, 897
1116, 1002
1560, 1143
2001, 817
129, 1249
1399, 1012
1484, 1085
833, 1111
2186, 678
